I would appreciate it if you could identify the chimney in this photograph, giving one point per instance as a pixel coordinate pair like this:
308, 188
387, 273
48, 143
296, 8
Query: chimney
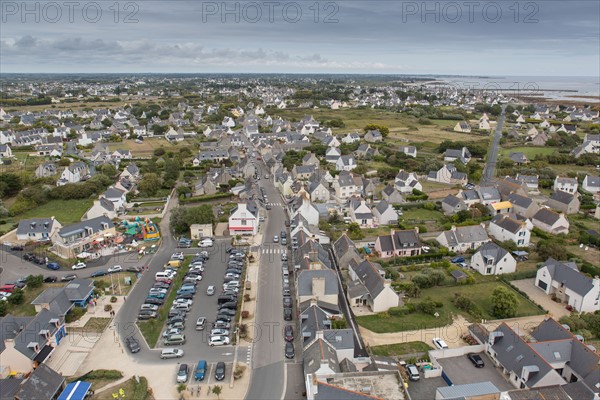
387, 283
453, 228
417, 229
318, 287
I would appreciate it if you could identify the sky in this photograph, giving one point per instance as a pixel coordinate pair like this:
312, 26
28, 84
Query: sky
491, 38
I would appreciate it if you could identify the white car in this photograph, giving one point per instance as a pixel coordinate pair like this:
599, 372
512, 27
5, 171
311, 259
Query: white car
183, 301
439, 343
219, 332
115, 268
172, 331
210, 290
206, 243
218, 340
79, 265
171, 353
177, 256
151, 307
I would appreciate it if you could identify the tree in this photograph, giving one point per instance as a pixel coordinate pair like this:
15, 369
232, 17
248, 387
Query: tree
150, 184
3, 308
17, 296
109, 170
504, 303
548, 248
10, 184
354, 231
384, 130
217, 389
34, 281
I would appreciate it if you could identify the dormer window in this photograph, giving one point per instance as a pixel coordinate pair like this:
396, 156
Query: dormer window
45, 333
35, 346
55, 321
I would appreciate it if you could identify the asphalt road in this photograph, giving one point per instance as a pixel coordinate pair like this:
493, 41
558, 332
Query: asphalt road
490, 166
269, 373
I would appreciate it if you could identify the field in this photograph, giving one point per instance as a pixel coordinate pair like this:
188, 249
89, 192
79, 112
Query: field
65, 211
147, 147
529, 151
398, 349
480, 293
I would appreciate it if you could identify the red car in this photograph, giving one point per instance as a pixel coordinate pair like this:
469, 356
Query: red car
7, 288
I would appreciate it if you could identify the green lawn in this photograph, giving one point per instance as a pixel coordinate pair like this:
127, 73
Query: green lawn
398, 349
65, 211
480, 293
529, 151
152, 329
421, 214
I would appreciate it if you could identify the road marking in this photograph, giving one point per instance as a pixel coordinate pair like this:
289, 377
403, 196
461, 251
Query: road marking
284, 381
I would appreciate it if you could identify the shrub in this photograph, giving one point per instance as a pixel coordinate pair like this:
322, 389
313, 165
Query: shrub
245, 314
17, 296
113, 299
107, 307
238, 372
34, 281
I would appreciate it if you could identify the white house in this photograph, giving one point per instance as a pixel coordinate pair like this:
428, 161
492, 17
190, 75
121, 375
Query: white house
503, 227
550, 221
345, 163
590, 145
384, 214
308, 211
405, 182
5, 151
492, 259
73, 173
463, 238
35, 229
591, 184
244, 219
376, 292
344, 186
351, 138
570, 286
565, 184
361, 214
115, 196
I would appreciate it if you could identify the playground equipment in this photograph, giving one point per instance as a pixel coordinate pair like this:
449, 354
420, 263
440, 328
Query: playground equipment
146, 228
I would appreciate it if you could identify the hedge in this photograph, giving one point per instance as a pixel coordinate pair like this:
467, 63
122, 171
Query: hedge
209, 197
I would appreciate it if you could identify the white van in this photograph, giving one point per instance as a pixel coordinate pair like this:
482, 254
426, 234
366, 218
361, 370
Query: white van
162, 276
206, 243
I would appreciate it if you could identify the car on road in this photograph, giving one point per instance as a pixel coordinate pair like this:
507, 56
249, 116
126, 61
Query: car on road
210, 291
114, 269
134, 269
132, 344
98, 273
289, 350
413, 372
275, 239
220, 371
146, 314
287, 314
218, 340
476, 360
283, 256
175, 339
182, 373
68, 277
53, 266
50, 279
171, 353
439, 343
288, 333
200, 323
79, 265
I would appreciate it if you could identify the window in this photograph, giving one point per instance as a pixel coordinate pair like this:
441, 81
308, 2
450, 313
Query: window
488, 271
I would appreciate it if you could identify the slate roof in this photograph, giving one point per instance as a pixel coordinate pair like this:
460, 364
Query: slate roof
61, 299
95, 223
466, 234
562, 197
519, 201
343, 246
507, 223
113, 193
489, 193
369, 274
340, 339
468, 390
570, 276
305, 281
546, 216
382, 206
491, 250
9, 388
9, 328
317, 352
593, 181
43, 383
451, 200
35, 225
31, 332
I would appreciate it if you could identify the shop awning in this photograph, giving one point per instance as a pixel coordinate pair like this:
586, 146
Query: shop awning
75, 391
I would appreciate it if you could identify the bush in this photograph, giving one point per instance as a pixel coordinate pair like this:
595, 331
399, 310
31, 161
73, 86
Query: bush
102, 374
34, 281
107, 307
238, 372
17, 296
245, 314
113, 299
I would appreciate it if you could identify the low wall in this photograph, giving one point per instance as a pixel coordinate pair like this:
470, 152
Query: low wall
435, 355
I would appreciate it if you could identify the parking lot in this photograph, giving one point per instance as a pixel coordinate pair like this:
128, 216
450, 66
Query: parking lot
460, 370
209, 376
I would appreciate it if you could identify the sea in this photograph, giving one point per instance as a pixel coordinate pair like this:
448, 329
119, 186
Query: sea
577, 88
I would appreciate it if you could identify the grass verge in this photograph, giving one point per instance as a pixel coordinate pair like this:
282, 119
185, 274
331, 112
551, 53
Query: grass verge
399, 349
130, 389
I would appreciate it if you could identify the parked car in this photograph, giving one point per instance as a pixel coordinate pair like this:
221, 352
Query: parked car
227, 311
287, 314
223, 317
413, 372
68, 277
142, 315
283, 256
176, 325
458, 259
220, 371
219, 332
17, 247
28, 256
218, 340
154, 300
98, 273
200, 370
287, 302
134, 269
439, 343
50, 279
182, 373
132, 344
476, 360
200, 323
114, 269
220, 324
171, 353
53, 266
170, 332
175, 339
289, 333
177, 256
151, 307
79, 265
289, 350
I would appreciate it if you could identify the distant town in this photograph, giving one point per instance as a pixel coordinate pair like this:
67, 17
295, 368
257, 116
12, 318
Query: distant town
296, 236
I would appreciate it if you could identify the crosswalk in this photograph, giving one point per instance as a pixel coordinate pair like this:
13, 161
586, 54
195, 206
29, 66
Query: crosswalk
273, 204
273, 250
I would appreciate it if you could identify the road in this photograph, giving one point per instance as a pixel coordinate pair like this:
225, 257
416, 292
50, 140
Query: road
269, 366
490, 165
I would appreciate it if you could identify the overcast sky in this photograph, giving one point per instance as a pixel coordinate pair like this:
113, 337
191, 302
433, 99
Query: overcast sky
555, 38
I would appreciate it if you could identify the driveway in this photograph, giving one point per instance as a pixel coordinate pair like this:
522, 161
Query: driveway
461, 371
536, 295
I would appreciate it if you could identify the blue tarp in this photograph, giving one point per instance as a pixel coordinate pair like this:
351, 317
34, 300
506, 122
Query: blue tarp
75, 391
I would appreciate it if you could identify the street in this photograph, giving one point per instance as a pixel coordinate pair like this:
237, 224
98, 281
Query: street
490, 166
